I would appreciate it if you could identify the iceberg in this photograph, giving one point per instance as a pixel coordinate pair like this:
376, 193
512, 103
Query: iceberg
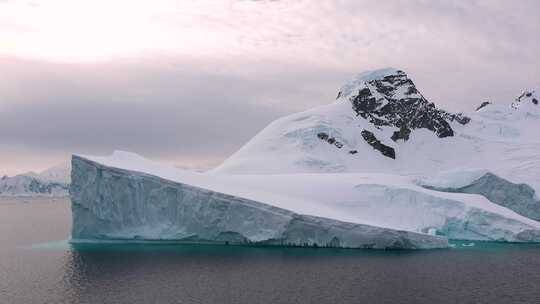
117, 204
127, 197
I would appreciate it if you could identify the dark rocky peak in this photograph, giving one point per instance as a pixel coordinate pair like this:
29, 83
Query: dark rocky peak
388, 97
525, 98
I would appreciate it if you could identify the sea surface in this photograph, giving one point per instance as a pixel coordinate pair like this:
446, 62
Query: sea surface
38, 265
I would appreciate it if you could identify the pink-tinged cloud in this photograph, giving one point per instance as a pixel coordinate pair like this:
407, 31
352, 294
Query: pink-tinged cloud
67, 64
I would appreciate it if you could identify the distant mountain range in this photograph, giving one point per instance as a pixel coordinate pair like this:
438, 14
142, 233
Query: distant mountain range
52, 182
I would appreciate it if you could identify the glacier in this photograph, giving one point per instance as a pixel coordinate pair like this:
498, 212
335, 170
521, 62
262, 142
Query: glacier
520, 198
314, 179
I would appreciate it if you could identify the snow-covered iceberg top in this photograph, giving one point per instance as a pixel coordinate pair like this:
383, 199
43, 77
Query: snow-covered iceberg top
378, 200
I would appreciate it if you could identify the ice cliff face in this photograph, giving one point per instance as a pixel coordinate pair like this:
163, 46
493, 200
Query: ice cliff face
116, 204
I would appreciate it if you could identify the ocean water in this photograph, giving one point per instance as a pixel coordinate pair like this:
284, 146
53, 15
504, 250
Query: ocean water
37, 265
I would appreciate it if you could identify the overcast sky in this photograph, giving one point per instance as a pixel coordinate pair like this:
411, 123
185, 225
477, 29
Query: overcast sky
189, 82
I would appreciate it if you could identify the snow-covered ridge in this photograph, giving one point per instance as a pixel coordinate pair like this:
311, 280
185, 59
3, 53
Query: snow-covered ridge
352, 86
60, 173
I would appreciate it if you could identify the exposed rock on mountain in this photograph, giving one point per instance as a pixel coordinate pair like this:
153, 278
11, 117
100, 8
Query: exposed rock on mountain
527, 98
483, 105
393, 100
377, 145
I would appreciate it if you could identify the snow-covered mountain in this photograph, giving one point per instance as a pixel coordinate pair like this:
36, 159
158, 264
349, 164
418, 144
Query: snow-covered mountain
381, 123
60, 173
51, 182
380, 167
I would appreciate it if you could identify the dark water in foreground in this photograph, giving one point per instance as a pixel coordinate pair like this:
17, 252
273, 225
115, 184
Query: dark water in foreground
37, 267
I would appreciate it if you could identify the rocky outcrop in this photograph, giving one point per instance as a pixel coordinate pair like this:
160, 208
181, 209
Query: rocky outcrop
385, 150
331, 140
483, 105
525, 98
116, 204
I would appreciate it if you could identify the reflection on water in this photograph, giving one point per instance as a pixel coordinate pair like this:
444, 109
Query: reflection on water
489, 273
36, 269
137, 273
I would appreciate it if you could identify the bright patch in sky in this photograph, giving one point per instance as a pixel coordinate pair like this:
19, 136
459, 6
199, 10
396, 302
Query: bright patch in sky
85, 30
67, 30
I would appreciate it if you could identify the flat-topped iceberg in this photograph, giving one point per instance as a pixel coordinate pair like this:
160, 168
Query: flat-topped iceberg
118, 204
126, 197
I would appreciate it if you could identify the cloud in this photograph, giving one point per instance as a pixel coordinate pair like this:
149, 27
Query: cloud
195, 80
168, 109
